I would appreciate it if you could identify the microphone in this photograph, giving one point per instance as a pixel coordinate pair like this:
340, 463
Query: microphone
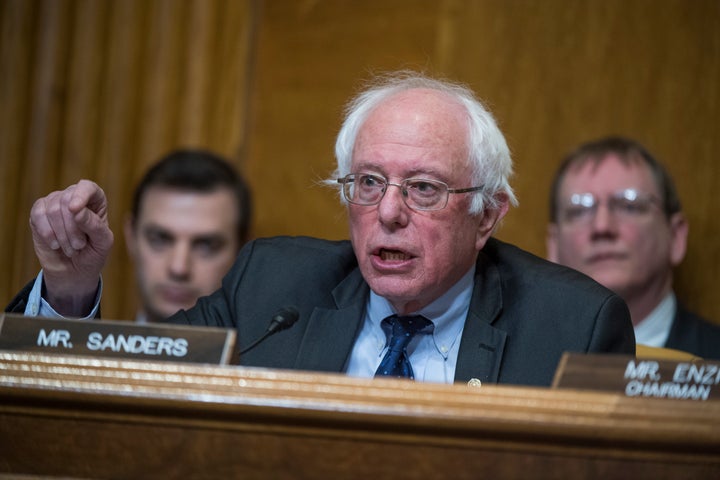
282, 320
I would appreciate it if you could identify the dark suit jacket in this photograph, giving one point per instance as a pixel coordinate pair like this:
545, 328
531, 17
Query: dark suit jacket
694, 334
19, 301
524, 312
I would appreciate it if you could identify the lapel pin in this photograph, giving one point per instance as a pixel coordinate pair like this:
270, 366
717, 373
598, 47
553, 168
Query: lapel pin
474, 382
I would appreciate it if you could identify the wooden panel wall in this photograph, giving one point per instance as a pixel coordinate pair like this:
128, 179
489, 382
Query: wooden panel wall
100, 89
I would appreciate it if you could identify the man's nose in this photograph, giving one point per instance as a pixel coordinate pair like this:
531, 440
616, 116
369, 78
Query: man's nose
604, 219
392, 208
180, 260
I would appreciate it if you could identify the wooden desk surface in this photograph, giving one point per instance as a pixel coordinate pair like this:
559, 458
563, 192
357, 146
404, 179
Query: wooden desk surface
93, 418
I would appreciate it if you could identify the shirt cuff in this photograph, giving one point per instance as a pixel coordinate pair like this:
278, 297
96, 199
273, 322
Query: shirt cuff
39, 307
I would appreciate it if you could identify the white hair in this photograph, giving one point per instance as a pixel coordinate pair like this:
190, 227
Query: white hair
488, 152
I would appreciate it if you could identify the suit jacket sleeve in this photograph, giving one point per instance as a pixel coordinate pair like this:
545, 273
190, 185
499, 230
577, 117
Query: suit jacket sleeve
20, 301
611, 333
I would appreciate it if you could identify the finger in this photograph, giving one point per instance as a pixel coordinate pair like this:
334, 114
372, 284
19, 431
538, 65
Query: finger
76, 236
95, 227
52, 206
62, 222
92, 219
88, 194
40, 225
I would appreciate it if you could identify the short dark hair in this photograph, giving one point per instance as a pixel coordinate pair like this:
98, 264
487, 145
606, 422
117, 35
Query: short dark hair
628, 151
199, 171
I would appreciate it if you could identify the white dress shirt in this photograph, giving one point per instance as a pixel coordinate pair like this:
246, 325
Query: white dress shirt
655, 328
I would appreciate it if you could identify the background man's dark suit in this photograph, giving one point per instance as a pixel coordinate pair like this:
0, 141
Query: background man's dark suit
694, 334
524, 313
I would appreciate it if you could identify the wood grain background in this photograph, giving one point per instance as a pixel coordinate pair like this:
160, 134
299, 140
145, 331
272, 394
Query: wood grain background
100, 89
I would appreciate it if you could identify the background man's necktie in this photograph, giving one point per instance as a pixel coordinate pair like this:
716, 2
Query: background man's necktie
396, 362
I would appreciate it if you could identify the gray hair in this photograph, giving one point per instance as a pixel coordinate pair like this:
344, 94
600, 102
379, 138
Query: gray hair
488, 152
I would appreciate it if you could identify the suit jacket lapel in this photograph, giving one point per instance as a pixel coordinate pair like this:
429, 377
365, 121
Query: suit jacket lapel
482, 344
330, 335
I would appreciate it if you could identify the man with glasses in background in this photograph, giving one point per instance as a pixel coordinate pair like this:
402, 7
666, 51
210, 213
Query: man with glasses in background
615, 215
420, 291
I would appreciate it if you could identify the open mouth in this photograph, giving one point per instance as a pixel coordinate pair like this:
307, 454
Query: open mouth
393, 255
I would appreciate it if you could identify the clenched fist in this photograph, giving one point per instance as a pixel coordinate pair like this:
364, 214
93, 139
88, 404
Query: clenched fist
72, 241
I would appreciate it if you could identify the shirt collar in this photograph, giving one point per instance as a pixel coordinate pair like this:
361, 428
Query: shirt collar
447, 313
654, 329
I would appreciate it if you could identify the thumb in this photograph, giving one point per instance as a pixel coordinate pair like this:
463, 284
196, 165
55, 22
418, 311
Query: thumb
95, 226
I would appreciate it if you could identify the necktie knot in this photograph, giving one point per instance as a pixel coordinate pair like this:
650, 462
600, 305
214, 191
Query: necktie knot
404, 329
396, 362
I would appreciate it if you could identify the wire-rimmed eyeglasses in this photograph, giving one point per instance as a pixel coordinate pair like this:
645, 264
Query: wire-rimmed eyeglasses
417, 193
627, 205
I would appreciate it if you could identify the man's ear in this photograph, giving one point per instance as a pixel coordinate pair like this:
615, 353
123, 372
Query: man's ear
490, 218
551, 242
678, 238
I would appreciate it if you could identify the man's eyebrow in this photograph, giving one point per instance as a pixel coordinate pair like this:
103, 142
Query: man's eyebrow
155, 228
372, 167
209, 237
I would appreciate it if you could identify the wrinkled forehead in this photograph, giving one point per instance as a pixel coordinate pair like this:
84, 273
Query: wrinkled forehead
417, 125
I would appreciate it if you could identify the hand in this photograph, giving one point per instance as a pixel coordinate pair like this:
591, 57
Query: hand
72, 241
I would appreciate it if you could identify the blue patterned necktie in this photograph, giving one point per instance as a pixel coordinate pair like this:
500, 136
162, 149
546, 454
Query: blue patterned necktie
396, 362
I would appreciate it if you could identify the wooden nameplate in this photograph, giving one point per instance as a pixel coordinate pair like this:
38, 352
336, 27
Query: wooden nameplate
118, 339
640, 377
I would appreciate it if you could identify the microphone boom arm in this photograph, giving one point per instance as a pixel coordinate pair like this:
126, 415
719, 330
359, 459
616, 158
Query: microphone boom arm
282, 320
